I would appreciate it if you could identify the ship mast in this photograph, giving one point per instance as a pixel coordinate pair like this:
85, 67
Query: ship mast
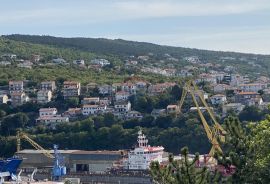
142, 141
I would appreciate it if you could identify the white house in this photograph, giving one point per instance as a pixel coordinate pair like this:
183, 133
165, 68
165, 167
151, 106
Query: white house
122, 106
218, 99
47, 112
93, 109
101, 62
52, 119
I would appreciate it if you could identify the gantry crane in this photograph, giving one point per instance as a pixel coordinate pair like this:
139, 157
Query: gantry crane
214, 133
58, 168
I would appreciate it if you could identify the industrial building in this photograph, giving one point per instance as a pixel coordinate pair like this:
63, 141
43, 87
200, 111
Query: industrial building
76, 161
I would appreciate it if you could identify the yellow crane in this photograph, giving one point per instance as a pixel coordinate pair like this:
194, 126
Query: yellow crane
20, 135
216, 132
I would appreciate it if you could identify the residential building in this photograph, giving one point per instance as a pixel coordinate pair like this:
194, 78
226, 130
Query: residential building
25, 64
252, 87
141, 86
48, 85
218, 99
71, 89
129, 87
93, 109
235, 107
160, 88
18, 98
172, 109
248, 98
221, 88
5, 63
91, 101
49, 120
72, 112
9, 56
91, 86
35, 58
237, 79
79, 62
47, 112
59, 61
134, 115
15, 86
122, 106
105, 89
205, 77
105, 101
3, 99
121, 95
101, 62
44, 96
158, 112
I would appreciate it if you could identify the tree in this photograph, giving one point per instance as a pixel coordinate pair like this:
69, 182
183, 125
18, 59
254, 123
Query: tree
250, 113
10, 123
176, 93
259, 144
181, 171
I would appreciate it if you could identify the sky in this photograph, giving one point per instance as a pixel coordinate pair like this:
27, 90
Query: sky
226, 25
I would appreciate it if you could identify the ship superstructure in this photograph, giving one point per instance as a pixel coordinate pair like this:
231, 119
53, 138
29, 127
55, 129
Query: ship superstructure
141, 157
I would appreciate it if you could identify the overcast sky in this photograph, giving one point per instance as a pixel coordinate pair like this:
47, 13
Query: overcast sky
228, 25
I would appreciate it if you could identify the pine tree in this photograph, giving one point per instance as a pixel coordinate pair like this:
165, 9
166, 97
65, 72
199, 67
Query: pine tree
183, 171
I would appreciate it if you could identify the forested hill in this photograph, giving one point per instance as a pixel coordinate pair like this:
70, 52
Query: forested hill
122, 47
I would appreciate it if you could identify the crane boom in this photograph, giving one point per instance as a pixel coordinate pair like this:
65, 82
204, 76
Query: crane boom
212, 133
21, 135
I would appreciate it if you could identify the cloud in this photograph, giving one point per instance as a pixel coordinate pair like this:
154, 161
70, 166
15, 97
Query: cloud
248, 40
169, 8
77, 12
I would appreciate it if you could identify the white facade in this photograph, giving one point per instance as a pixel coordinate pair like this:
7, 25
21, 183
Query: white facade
122, 107
47, 112
52, 119
101, 62
93, 109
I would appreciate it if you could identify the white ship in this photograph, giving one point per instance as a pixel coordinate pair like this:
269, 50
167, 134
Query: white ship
141, 157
